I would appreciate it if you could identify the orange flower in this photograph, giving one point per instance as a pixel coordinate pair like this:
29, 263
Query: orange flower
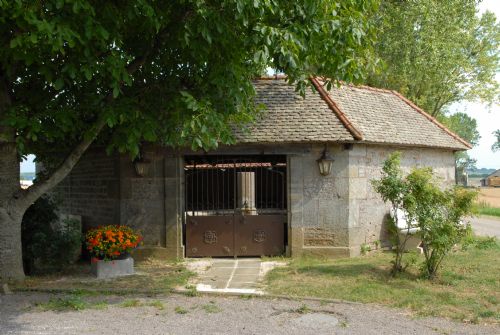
111, 241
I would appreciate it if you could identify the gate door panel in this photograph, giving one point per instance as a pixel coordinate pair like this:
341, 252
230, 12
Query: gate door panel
259, 235
209, 236
235, 205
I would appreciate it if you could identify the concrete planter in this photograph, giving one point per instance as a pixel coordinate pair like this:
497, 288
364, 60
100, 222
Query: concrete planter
111, 269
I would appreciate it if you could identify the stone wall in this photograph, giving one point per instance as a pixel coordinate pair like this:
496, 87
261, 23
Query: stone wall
367, 212
151, 203
92, 190
327, 215
318, 211
334, 215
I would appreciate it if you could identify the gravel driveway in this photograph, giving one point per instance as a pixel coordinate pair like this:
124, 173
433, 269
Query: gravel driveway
219, 315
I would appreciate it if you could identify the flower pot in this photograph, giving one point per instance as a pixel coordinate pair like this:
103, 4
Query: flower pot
112, 268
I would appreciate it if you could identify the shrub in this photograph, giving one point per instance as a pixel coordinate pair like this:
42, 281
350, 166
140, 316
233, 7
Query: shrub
46, 247
393, 189
438, 213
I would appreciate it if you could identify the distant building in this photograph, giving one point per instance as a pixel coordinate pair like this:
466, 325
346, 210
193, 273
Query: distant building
492, 180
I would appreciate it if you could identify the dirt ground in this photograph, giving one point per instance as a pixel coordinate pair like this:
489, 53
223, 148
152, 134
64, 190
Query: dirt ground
490, 195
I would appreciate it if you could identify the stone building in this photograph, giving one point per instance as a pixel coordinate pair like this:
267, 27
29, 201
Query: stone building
266, 195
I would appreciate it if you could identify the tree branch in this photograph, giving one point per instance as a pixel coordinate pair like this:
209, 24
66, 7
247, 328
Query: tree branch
27, 197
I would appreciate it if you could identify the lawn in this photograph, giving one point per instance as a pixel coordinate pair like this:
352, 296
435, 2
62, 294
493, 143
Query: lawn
489, 201
150, 277
487, 210
467, 289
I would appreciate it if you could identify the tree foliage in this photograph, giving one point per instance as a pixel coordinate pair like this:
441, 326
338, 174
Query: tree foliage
174, 72
177, 73
465, 127
438, 52
496, 145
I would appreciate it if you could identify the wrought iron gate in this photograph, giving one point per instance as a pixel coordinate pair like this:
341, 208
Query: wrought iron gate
235, 206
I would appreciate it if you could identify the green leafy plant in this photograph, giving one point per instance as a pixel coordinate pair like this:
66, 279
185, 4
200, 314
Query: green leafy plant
438, 213
392, 187
48, 245
365, 248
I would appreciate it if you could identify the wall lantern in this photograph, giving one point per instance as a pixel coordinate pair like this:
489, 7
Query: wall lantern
325, 163
141, 167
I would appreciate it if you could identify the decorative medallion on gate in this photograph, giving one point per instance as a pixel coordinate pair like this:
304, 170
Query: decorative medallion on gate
259, 236
210, 237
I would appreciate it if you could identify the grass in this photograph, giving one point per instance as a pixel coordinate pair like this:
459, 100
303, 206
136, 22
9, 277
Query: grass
72, 302
181, 310
156, 303
138, 303
304, 309
468, 287
211, 308
151, 277
483, 208
131, 303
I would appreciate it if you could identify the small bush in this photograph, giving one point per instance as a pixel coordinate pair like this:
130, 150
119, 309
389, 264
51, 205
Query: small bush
46, 247
365, 248
437, 213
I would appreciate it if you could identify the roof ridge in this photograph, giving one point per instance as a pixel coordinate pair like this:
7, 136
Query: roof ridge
431, 118
491, 174
369, 88
336, 110
272, 77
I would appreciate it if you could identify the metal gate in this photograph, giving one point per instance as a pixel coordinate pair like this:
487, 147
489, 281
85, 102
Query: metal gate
235, 206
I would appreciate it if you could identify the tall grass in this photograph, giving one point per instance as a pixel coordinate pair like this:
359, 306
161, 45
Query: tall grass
483, 208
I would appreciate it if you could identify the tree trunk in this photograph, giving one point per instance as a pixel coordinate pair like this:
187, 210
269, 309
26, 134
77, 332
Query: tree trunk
14, 201
11, 211
11, 253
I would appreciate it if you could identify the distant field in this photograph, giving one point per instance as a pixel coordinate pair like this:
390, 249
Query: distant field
490, 196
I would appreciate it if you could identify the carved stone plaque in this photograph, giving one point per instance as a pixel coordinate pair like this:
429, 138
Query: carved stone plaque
210, 237
319, 237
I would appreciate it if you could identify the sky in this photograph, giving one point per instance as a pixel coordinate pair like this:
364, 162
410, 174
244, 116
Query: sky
488, 118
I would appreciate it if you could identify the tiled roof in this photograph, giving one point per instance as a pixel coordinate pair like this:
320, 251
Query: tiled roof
290, 118
345, 114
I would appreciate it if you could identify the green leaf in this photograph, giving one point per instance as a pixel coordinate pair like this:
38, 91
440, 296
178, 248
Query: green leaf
59, 84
